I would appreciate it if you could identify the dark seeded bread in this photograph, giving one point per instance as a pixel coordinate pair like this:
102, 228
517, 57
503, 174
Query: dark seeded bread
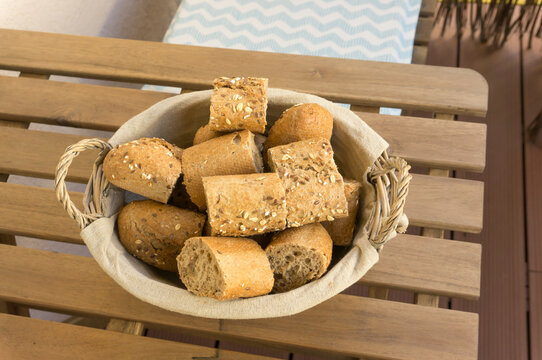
342, 230
149, 167
301, 122
299, 255
231, 154
224, 268
239, 103
155, 233
245, 205
314, 188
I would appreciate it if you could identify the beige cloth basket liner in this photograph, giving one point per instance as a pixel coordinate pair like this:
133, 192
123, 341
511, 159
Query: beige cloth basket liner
176, 119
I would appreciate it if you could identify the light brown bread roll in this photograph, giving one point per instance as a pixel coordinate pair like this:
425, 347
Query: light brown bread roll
301, 122
299, 255
224, 268
314, 188
155, 233
342, 230
231, 154
239, 103
245, 205
205, 133
149, 167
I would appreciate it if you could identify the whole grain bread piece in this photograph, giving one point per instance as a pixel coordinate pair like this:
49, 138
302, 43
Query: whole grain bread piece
231, 154
180, 198
245, 205
342, 230
205, 133
239, 103
301, 122
299, 255
224, 268
314, 188
149, 167
155, 233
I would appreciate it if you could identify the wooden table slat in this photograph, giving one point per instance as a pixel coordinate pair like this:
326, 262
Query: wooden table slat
406, 86
23, 338
408, 260
345, 325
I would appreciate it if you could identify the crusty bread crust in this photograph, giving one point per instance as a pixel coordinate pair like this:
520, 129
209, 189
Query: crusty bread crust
239, 103
243, 266
149, 167
342, 230
245, 205
205, 133
231, 154
301, 122
314, 188
289, 250
155, 233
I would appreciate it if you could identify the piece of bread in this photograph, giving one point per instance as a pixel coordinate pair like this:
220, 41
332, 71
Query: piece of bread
239, 103
205, 133
149, 167
314, 188
155, 233
245, 205
301, 122
299, 255
342, 230
231, 154
224, 268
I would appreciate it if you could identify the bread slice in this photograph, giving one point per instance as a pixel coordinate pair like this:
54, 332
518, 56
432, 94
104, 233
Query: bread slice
155, 233
231, 154
342, 230
301, 122
245, 205
148, 166
239, 103
314, 188
224, 268
299, 255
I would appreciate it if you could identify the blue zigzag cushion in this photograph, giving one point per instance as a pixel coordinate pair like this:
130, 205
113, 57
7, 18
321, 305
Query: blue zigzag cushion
379, 30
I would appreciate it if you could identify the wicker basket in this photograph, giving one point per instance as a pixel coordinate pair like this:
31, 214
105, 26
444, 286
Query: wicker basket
389, 177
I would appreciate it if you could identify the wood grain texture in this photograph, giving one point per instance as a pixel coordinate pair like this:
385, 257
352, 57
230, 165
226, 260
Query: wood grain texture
532, 88
125, 326
408, 262
535, 314
502, 305
419, 54
348, 81
445, 203
24, 338
428, 8
344, 325
423, 31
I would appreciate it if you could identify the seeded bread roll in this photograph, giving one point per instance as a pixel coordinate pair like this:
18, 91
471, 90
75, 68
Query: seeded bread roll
239, 103
149, 167
205, 133
245, 205
342, 230
224, 268
314, 188
155, 233
301, 122
231, 154
299, 255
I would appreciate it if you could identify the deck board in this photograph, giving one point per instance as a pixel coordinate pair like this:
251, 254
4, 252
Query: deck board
502, 306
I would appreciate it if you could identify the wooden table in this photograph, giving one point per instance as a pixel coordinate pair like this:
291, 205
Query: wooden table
346, 326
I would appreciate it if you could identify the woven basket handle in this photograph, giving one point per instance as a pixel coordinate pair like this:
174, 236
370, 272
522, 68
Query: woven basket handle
97, 182
391, 178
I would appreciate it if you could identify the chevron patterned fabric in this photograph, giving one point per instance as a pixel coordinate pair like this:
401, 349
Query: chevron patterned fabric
379, 30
